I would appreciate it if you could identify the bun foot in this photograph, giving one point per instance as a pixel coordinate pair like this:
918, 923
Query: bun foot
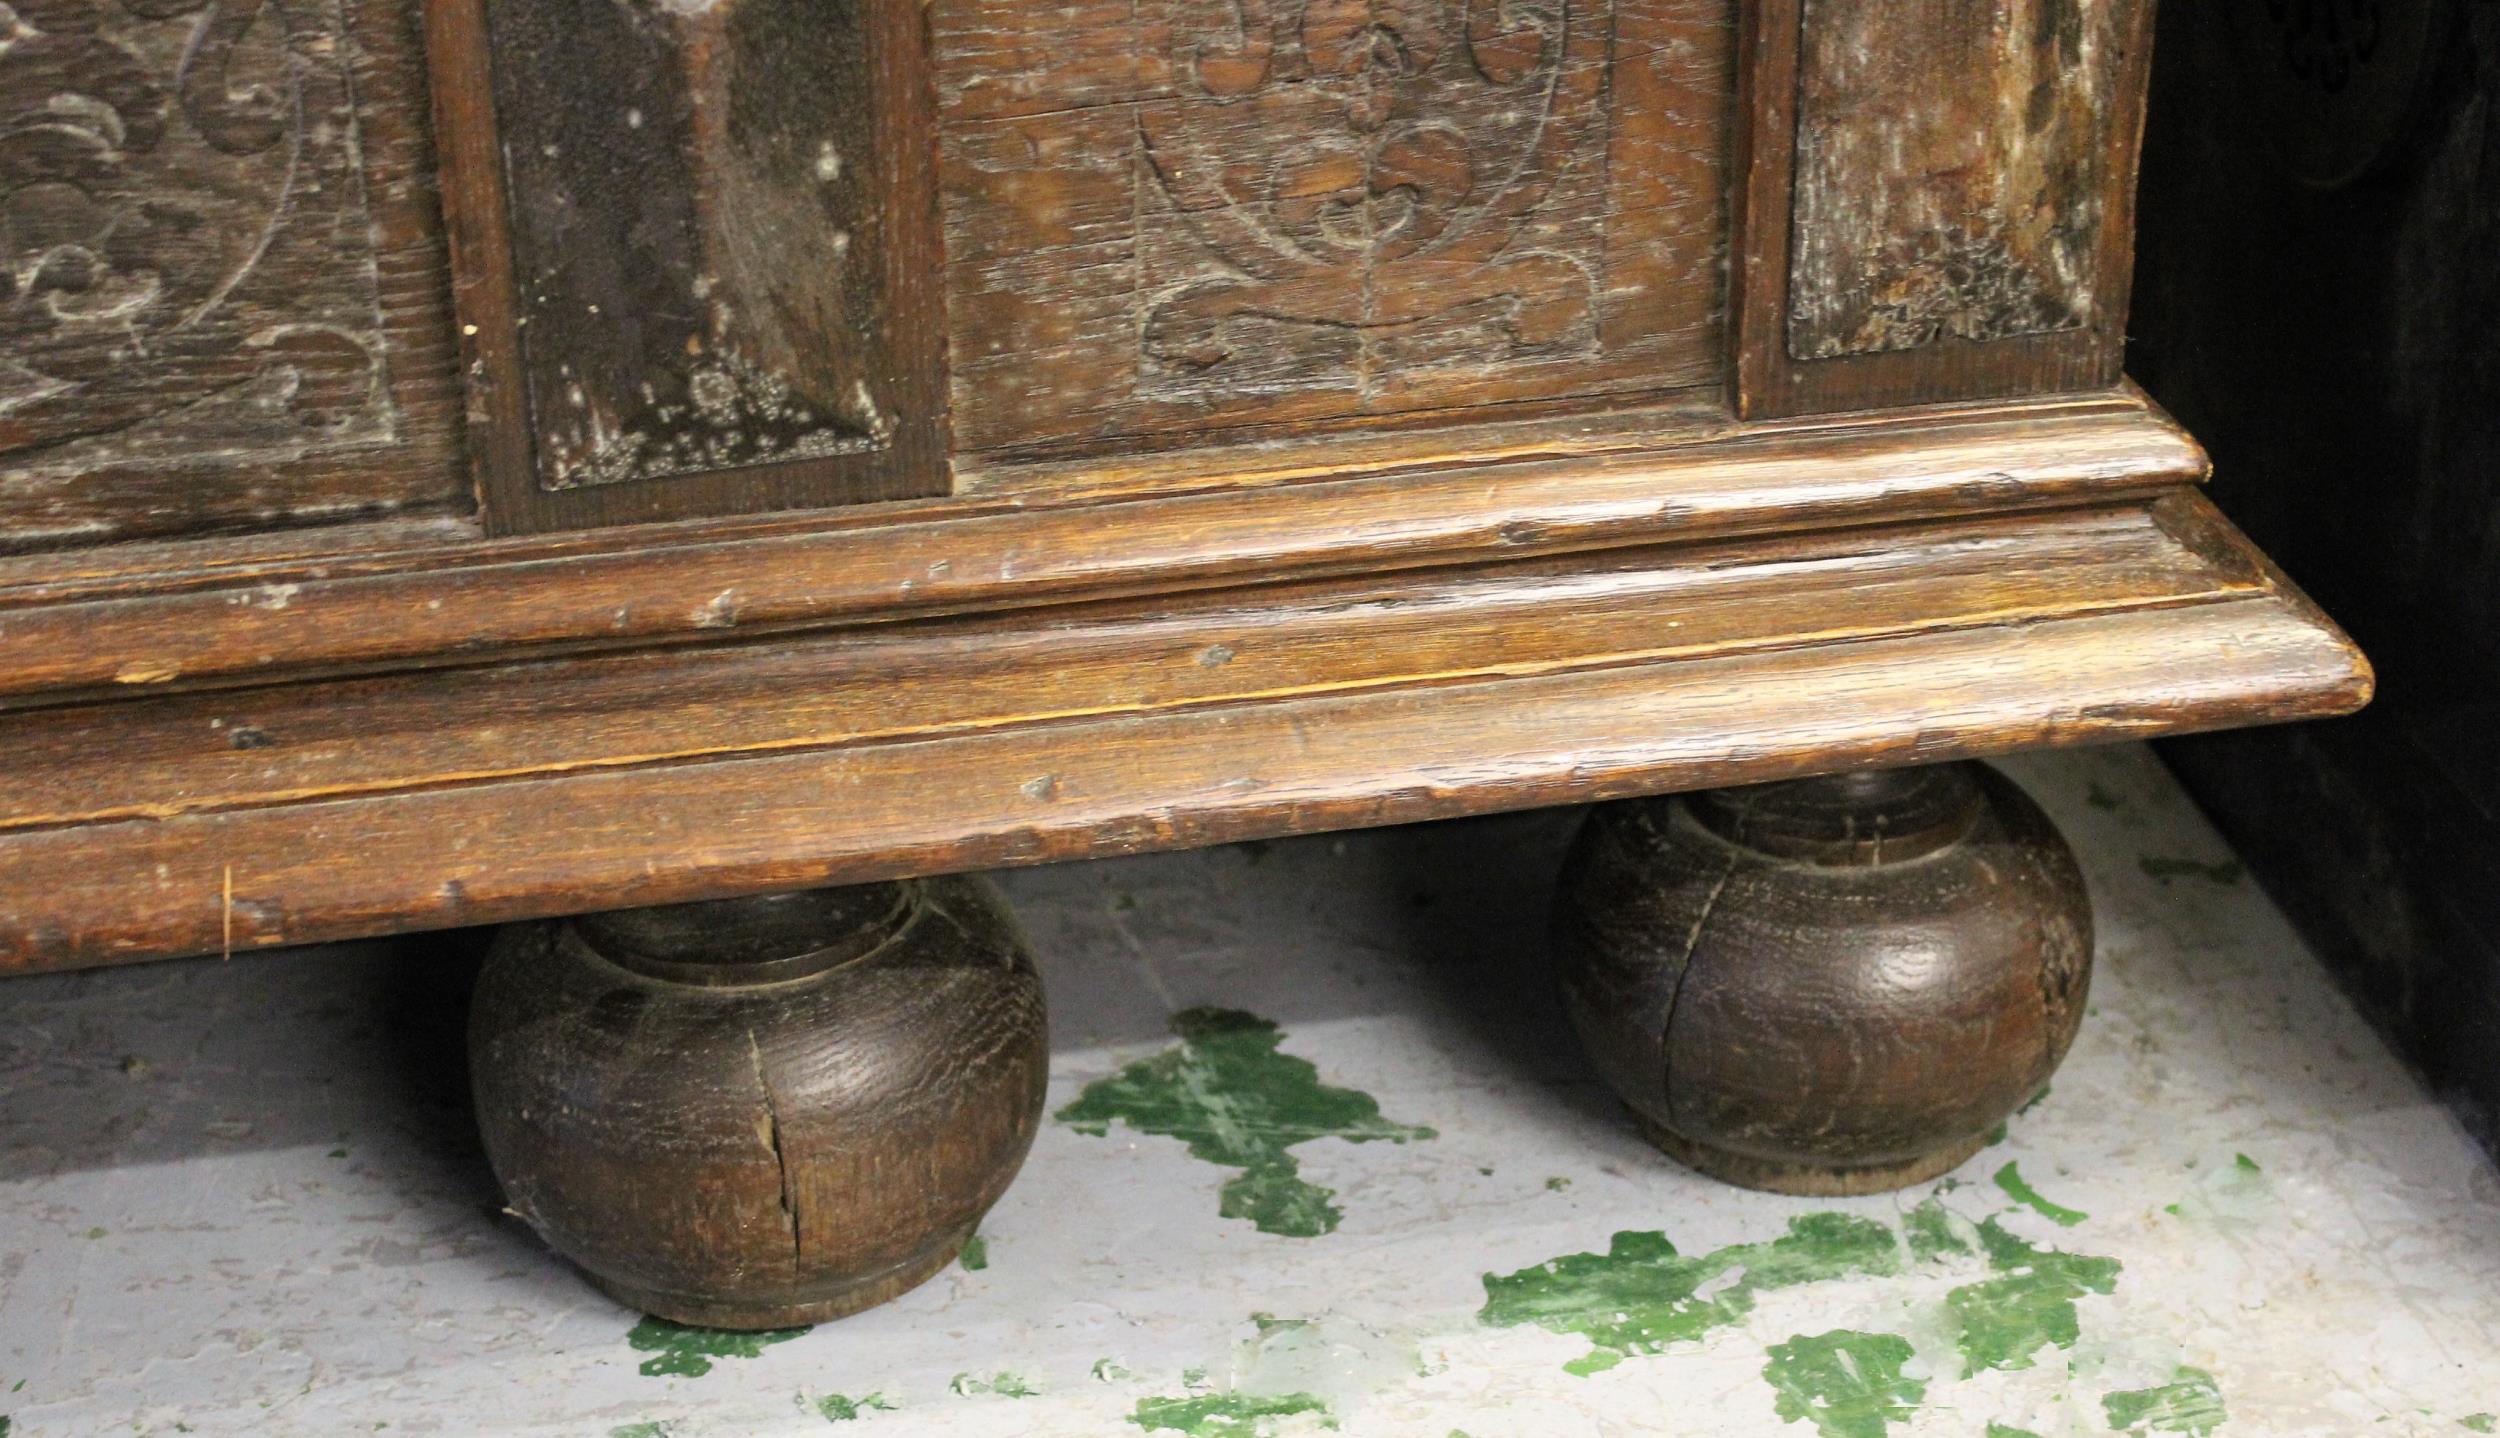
1827, 986
762, 1113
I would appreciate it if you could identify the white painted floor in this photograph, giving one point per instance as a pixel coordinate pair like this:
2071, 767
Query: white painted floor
243, 1199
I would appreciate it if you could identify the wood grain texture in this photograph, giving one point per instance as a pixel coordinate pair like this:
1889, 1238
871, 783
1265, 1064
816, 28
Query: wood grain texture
1194, 215
768, 1112
432, 604
1939, 199
1130, 736
698, 255
222, 291
1950, 171
1828, 986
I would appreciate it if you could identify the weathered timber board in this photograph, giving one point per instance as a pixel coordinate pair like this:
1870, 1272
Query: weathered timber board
1186, 215
222, 292
1952, 175
706, 260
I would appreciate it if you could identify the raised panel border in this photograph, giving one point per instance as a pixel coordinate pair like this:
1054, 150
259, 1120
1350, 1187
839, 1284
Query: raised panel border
1770, 382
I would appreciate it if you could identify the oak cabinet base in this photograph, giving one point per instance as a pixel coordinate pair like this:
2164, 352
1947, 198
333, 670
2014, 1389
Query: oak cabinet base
1828, 986
758, 1113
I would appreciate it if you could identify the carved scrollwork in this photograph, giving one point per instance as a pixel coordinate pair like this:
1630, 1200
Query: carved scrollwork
1348, 189
185, 260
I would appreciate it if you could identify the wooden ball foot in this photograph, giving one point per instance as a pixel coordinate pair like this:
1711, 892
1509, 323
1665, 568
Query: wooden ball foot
761, 1113
1827, 986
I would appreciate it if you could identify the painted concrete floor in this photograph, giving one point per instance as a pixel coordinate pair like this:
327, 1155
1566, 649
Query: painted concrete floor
244, 1199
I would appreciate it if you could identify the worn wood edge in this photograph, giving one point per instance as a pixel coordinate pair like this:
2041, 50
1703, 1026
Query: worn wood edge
486, 604
299, 873
228, 749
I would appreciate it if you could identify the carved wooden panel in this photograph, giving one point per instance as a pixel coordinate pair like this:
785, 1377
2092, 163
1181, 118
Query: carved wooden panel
1950, 171
221, 290
1939, 200
698, 250
1195, 214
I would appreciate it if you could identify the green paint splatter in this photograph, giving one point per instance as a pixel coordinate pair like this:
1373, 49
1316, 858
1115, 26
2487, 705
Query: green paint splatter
338, 1153
2190, 1404
835, 1408
976, 1254
685, 1352
1641, 1295
1005, 1385
2100, 798
639, 1430
1219, 1414
2008, 1430
2010, 1178
1557, 1185
1109, 1371
4, 1425
95, 1233
2034, 1101
1849, 1383
1931, 1232
1238, 1102
2004, 1322
2478, 1422
2226, 873
2245, 1164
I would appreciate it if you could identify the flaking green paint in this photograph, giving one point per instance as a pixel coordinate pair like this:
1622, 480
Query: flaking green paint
976, 1254
1236, 1101
2476, 1422
1220, 1415
1849, 1384
639, 1430
1109, 1370
1641, 1295
683, 1352
1004, 1385
2003, 1322
2190, 1404
835, 1408
1932, 1232
2010, 1178
2008, 1430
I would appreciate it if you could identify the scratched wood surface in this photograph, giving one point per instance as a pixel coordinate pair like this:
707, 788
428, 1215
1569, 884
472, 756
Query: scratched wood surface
1543, 492
1190, 215
1940, 203
697, 249
1918, 219
222, 291
1171, 737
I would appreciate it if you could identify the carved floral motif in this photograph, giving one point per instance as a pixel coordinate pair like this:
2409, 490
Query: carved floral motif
1348, 190
186, 267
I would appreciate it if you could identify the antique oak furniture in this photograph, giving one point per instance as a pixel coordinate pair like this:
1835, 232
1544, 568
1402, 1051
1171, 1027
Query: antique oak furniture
472, 463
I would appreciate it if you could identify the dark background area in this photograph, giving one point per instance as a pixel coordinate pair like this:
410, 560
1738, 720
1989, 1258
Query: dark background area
2318, 300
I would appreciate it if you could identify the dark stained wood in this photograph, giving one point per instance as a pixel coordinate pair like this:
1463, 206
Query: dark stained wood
1193, 215
1827, 986
1352, 507
1129, 736
764, 1112
1939, 202
2317, 291
698, 255
222, 291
